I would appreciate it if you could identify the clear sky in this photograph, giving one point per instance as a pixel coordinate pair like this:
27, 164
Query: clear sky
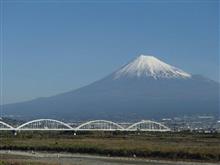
49, 47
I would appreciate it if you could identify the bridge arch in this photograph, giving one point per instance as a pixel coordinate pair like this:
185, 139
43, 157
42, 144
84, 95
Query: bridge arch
44, 124
148, 125
103, 125
5, 126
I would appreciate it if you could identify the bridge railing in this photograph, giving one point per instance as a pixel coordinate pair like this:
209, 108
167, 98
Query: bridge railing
44, 124
99, 125
94, 125
5, 126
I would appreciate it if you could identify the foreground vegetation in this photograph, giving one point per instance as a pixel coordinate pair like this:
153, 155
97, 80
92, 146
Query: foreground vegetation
174, 146
16, 162
20, 160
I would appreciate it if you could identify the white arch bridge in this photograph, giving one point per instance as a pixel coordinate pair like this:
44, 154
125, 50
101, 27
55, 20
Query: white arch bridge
94, 125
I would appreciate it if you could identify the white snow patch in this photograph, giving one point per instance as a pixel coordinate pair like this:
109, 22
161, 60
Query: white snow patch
150, 66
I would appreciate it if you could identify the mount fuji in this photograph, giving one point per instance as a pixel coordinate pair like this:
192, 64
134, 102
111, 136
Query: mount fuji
144, 88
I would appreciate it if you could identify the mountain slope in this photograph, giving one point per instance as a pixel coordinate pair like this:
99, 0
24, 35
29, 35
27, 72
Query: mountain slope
144, 88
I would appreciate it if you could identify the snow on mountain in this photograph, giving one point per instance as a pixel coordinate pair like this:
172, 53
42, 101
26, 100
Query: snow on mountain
150, 66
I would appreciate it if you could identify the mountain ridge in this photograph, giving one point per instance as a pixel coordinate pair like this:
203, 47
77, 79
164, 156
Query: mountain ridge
126, 98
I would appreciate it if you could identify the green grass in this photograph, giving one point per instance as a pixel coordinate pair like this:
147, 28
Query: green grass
174, 146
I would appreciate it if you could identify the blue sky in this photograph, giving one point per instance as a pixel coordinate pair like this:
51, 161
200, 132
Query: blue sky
53, 47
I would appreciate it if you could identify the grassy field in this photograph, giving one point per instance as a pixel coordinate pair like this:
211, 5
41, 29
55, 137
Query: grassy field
20, 160
23, 162
172, 146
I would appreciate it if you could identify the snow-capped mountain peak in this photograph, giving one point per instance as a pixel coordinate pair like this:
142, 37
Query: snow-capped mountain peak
150, 66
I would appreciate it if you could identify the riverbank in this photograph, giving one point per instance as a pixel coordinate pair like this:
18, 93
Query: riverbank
161, 146
47, 158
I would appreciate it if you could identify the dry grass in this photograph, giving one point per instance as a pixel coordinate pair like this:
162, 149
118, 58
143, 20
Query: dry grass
166, 146
23, 162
